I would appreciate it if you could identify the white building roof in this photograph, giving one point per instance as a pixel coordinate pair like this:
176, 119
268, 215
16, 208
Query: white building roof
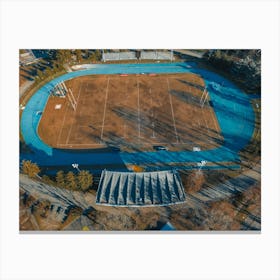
140, 189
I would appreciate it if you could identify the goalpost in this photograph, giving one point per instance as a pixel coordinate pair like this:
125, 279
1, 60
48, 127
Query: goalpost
203, 97
61, 90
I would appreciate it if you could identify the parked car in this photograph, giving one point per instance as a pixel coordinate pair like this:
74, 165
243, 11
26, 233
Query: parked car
160, 148
114, 149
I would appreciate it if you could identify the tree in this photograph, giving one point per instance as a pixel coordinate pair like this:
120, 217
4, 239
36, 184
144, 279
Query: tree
47, 179
60, 179
85, 180
98, 55
48, 72
40, 74
71, 181
79, 55
221, 216
194, 181
30, 168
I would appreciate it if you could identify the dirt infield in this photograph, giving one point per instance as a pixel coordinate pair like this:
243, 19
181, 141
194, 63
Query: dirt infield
133, 113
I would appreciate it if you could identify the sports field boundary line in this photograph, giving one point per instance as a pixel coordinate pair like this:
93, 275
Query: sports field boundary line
216, 124
205, 121
153, 113
144, 143
59, 136
92, 144
105, 105
70, 130
172, 111
138, 111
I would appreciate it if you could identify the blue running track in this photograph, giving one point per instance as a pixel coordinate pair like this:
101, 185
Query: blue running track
232, 107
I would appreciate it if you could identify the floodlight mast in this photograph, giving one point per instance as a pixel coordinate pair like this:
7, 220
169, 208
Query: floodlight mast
201, 164
76, 166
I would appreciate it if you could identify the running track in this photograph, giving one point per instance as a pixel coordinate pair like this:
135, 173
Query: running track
232, 107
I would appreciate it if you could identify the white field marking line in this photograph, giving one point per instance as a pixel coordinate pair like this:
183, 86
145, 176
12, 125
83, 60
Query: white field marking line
125, 103
144, 143
172, 111
105, 105
75, 113
205, 122
59, 136
138, 112
89, 144
153, 123
203, 116
215, 123
209, 133
124, 131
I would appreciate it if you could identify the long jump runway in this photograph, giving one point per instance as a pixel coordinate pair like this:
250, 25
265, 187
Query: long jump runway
232, 108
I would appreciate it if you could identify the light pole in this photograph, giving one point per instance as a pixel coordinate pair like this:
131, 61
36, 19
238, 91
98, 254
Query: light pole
76, 166
201, 164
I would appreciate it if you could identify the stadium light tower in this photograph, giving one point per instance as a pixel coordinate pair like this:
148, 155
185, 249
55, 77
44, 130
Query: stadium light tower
76, 166
201, 164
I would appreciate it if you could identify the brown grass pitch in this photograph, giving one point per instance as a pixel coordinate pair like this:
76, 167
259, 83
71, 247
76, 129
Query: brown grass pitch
133, 112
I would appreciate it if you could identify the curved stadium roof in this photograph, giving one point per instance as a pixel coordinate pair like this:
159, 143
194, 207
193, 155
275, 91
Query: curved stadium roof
140, 189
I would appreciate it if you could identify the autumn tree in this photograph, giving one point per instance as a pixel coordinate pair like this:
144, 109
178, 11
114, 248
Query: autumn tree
221, 216
79, 55
30, 168
194, 182
71, 181
60, 179
47, 179
250, 200
40, 74
85, 180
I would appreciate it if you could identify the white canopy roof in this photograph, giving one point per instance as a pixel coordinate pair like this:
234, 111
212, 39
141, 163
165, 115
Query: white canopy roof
140, 189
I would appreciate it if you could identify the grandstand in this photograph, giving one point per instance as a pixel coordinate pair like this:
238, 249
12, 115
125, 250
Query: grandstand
134, 55
118, 56
157, 55
140, 189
